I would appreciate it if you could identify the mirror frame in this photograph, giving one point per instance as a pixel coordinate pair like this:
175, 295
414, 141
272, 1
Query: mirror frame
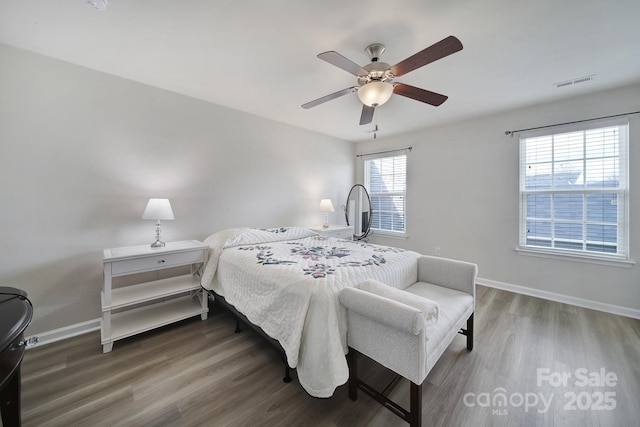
366, 231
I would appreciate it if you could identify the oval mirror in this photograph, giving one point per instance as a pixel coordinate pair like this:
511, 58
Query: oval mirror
358, 211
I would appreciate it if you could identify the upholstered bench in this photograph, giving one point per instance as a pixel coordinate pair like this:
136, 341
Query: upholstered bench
407, 330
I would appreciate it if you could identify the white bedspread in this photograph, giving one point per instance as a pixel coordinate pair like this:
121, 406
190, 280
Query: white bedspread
287, 280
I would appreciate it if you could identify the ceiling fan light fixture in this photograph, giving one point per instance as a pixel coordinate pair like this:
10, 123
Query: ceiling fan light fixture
375, 93
97, 4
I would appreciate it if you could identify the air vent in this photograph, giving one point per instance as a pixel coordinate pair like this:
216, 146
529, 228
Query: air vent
575, 81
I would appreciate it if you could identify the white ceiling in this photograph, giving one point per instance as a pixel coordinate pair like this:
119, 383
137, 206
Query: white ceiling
259, 56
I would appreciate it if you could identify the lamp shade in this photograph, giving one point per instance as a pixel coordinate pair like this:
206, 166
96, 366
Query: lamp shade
158, 209
375, 93
326, 205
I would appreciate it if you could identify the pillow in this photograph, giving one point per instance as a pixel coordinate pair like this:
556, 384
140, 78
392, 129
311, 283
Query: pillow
254, 236
429, 308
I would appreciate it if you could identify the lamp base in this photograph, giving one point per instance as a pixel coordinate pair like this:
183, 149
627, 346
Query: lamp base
157, 244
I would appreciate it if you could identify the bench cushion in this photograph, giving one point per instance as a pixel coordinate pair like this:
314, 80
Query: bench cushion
455, 309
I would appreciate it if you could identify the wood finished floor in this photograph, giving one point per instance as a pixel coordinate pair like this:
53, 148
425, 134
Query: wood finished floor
202, 373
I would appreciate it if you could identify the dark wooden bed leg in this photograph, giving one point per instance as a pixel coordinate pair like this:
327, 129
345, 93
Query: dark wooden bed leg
415, 415
287, 373
352, 362
470, 333
238, 330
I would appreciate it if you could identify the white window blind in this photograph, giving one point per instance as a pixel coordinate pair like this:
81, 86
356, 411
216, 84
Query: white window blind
574, 190
386, 182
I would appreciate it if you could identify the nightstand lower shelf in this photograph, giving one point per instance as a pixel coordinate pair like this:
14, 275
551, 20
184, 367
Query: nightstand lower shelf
145, 318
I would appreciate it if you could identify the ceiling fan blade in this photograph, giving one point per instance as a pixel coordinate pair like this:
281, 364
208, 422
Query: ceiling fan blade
367, 115
444, 47
329, 97
340, 61
418, 94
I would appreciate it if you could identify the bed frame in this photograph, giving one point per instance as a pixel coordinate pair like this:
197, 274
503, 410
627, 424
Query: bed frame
214, 298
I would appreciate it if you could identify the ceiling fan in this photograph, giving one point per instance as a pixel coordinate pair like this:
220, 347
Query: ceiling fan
375, 80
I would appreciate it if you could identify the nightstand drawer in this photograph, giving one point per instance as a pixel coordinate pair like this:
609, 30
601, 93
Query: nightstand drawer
156, 262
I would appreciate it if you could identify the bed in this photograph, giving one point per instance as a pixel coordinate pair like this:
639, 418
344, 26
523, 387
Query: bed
287, 280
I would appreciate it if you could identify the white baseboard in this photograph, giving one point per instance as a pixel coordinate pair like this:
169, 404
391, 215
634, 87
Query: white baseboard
94, 325
70, 331
552, 296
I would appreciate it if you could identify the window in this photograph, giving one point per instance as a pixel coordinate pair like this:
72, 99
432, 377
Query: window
573, 192
386, 181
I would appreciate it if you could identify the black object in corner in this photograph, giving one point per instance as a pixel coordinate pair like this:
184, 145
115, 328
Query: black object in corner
16, 313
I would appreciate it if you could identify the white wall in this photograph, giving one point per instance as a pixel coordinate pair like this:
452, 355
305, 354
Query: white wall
82, 151
462, 197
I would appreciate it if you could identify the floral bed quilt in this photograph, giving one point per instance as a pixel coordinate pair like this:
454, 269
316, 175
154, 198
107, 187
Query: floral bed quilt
286, 280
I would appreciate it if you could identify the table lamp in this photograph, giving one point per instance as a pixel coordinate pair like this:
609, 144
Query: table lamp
326, 206
158, 209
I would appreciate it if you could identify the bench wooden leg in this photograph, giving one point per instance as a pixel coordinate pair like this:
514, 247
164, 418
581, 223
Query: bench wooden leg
470, 333
415, 415
352, 361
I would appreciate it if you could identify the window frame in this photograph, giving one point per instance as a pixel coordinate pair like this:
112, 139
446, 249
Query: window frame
622, 191
403, 194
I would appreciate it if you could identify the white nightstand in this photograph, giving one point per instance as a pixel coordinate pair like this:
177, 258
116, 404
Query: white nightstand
145, 306
338, 231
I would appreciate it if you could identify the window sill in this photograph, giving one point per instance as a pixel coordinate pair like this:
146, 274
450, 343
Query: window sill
590, 259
